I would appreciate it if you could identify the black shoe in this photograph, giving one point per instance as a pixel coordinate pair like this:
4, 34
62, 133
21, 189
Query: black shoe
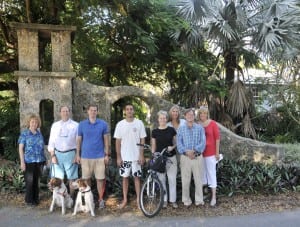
35, 204
29, 205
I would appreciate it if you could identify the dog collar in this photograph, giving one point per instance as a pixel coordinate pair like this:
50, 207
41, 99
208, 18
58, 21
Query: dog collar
63, 194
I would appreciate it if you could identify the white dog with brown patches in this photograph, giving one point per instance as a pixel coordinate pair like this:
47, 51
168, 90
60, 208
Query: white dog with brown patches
60, 196
85, 199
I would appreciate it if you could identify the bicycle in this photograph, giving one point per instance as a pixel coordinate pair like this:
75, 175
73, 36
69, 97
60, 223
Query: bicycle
152, 191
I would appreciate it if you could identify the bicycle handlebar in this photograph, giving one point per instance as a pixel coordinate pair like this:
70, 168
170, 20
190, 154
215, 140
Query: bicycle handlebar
147, 146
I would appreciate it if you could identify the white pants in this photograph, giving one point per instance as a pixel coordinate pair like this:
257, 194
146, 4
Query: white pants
171, 172
209, 171
189, 167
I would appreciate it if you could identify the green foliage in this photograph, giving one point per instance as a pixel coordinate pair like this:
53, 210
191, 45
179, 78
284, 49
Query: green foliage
234, 177
9, 127
11, 178
278, 126
292, 155
242, 177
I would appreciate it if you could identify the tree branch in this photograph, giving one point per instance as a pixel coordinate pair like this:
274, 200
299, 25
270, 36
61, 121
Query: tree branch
5, 33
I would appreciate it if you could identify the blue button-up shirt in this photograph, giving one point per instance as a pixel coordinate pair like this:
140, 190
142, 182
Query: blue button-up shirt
33, 146
191, 138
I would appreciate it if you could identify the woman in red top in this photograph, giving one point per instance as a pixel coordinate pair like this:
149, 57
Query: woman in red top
211, 153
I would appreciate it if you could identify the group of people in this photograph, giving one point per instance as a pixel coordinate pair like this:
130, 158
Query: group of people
194, 143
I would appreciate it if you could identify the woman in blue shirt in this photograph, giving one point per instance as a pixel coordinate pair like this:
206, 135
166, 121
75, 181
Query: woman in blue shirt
32, 158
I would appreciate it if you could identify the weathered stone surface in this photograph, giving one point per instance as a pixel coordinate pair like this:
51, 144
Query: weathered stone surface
28, 45
61, 51
32, 90
86, 93
241, 148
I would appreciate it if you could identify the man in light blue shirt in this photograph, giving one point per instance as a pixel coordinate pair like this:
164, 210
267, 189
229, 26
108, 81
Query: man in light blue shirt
190, 145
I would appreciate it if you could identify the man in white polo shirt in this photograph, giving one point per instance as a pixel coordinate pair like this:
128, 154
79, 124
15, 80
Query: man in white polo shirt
62, 147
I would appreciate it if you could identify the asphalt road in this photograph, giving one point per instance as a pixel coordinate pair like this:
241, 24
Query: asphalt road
31, 217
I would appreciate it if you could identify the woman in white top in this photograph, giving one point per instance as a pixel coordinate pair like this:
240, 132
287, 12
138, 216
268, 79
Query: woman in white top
175, 120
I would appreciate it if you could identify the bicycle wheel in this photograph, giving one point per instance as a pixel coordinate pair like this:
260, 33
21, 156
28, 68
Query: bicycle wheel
151, 197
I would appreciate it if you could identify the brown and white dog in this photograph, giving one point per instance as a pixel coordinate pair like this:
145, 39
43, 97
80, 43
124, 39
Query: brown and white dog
85, 199
60, 196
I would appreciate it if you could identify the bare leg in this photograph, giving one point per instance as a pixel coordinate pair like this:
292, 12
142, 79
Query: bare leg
100, 188
213, 197
137, 184
103, 189
125, 192
71, 188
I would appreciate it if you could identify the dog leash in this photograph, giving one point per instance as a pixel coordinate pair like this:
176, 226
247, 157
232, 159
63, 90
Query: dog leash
83, 197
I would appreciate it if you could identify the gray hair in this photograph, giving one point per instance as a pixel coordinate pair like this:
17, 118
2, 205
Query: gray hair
162, 112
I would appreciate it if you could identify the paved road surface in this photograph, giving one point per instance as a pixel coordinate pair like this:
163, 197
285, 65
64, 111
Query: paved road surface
23, 217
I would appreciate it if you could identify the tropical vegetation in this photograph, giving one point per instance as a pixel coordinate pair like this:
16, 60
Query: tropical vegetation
189, 51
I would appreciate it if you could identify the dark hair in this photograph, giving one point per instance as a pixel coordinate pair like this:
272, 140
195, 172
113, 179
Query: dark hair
92, 105
127, 104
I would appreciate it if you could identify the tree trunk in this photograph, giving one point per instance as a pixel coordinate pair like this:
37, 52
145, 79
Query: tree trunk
28, 11
230, 66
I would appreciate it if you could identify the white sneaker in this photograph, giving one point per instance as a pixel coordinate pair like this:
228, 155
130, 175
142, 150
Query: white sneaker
174, 205
199, 203
165, 204
213, 202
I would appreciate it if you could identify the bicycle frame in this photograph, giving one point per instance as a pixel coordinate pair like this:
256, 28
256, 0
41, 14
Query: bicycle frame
152, 191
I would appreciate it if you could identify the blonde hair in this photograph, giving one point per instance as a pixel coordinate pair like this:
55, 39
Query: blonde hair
33, 117
202, 109
170, 112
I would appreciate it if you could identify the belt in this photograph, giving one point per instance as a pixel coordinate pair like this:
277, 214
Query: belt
65, 151
196, 155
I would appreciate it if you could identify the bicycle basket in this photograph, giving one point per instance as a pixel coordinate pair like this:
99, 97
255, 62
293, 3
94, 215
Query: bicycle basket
158, 163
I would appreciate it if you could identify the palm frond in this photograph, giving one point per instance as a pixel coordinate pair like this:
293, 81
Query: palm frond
238, 101
247, 127
278, 28
192, 9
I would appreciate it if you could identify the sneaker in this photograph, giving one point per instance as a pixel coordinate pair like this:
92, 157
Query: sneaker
199, 203
187, 204
101, 204
165, 204
213, 202
174, 205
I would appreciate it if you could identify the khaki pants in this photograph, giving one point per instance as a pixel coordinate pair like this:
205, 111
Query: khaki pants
189, 167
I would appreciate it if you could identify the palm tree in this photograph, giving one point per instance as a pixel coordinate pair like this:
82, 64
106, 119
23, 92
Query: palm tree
245, 30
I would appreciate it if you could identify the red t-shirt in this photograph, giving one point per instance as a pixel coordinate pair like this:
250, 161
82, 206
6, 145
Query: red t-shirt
212, 134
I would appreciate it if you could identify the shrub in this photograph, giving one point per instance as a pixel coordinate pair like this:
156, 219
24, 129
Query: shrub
11, 178
241, 177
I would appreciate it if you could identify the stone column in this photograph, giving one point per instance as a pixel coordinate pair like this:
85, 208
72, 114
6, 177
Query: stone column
61, 51
28, 47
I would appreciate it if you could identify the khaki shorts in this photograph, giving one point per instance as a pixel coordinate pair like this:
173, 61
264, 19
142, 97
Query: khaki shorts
92, 167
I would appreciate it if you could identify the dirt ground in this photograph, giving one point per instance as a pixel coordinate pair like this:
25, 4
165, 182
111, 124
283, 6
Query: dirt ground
226, 206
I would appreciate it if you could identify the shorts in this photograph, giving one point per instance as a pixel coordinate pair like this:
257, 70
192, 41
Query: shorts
130, 168
65, 165
92, 167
